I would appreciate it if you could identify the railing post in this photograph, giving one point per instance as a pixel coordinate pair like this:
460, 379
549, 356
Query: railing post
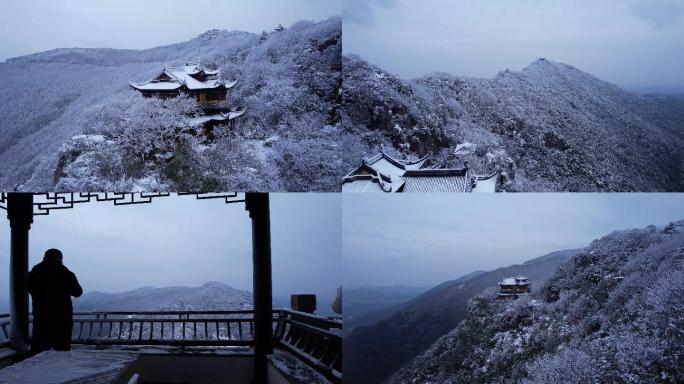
257, 204
20, 215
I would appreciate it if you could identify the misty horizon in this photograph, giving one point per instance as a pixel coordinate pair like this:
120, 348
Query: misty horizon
638, 89
428, 242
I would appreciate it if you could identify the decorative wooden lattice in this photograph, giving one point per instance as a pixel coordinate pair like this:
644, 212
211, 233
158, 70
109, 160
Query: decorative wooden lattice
43, 203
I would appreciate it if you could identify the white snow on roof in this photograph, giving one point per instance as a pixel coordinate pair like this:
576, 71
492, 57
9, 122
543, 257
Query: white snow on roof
216, 117
192, 83
387, 168
163, 85
508, 281
233, 114
485, 185
182, 76
191, 69
394, 176
362, 186
199, 120
59, 367
465, 148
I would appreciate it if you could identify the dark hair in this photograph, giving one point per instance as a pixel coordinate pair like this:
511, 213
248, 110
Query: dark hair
53, 255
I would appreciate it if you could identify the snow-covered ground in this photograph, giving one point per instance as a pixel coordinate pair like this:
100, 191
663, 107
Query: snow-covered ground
72, 366
85, 364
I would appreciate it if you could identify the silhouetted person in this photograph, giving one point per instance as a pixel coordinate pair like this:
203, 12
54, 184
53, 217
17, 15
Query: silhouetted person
51, 286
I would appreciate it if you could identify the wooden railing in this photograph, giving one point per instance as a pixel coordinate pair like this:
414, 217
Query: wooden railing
4, 330
315, 340
175, 328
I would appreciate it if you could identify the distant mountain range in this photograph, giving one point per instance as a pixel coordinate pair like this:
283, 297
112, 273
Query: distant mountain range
362, 301
612, 313
372, 353
549, 127
210, 296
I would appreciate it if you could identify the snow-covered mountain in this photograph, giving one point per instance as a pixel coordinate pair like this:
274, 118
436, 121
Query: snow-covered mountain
373, 352
549, 127
210, 296
69, 116
614, 313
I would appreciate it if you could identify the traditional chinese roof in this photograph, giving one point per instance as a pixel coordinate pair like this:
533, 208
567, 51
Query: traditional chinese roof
517, 281
190, 77
384, 173
195, 121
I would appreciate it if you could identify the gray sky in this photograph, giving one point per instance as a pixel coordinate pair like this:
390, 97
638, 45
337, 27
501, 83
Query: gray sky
633, 43
419, 240
184, 241
30, 26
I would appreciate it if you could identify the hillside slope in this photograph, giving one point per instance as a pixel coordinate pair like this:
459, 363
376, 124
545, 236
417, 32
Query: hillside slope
549, 127
362, 301
373, 352
288, 84
612, 314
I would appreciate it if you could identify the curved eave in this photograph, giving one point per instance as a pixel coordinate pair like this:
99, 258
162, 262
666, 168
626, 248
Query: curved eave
143, 88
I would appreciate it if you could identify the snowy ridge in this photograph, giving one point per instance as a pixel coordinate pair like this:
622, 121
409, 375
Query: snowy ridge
549, 127
210, 296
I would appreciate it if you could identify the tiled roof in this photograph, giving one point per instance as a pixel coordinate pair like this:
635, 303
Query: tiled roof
190, 76
362, 185
436, 180
393, 175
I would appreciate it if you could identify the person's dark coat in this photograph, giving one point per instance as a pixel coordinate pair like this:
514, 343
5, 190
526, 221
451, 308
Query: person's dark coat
51, 286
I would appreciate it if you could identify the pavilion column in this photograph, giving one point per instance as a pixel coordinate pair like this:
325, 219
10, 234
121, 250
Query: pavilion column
258, 206
20, 215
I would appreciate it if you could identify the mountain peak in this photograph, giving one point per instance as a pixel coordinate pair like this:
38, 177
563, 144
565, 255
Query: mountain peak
210, 34
215, 284
543, 62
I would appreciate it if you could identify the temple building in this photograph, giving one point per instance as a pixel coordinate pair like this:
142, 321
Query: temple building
513, 287
384, 173
202, 83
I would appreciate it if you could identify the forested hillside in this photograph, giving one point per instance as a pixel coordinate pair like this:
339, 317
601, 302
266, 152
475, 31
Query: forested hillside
612, 314
549, 127
374, 352
71, 121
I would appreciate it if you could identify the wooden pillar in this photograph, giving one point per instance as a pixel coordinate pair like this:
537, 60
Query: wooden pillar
20, 215
258, 206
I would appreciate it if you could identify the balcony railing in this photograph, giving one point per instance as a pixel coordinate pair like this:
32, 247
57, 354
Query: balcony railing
314, 340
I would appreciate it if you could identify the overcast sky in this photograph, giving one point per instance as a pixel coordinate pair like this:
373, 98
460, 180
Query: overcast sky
30, 26
418, 240
183, 241
633, 43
